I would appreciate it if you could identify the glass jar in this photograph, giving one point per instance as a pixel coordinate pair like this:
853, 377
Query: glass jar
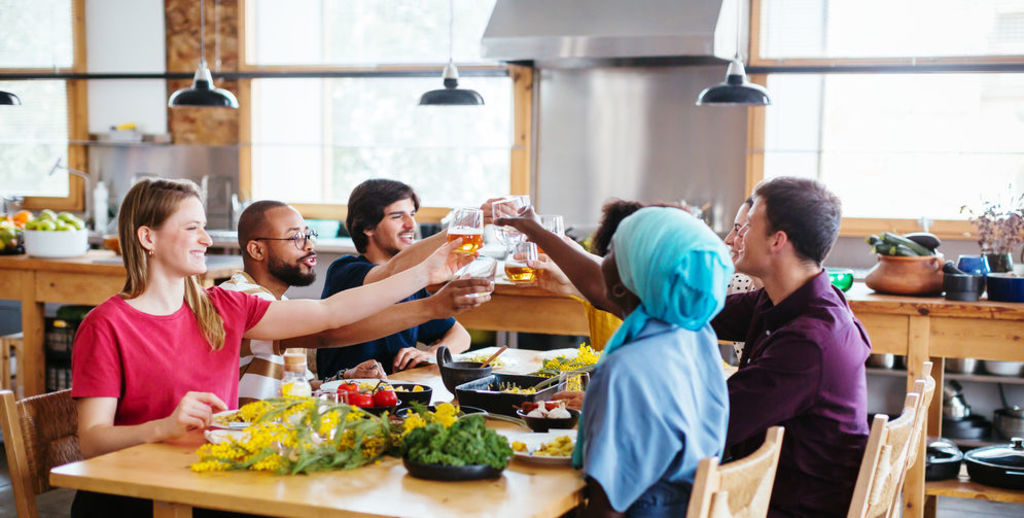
294, 382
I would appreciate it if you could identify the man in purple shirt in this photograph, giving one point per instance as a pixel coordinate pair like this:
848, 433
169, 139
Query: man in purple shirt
803, 364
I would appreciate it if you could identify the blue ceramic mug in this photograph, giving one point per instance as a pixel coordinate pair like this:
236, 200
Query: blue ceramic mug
973, 264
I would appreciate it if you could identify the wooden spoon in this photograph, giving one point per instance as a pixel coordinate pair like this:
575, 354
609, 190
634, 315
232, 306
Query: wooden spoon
493, 356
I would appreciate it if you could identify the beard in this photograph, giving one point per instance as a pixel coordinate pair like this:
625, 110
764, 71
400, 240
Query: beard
291, 274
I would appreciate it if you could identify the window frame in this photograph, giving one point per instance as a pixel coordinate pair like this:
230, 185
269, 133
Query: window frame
78, 119
520, 174
760, 68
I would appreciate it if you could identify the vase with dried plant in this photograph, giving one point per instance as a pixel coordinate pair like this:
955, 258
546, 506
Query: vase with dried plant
1000, 227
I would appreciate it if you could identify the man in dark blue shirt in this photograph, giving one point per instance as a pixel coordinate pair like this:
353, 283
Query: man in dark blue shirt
382, 223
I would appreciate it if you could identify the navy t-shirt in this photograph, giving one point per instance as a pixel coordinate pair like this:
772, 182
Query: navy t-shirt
349, 272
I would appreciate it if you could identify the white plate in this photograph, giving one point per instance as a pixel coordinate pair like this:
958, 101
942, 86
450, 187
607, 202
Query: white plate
554, 353
542, 459
534, 440
234, 425
219, 435
505, 360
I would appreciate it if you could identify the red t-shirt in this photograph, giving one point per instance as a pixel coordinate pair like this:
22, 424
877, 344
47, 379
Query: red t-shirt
148, 362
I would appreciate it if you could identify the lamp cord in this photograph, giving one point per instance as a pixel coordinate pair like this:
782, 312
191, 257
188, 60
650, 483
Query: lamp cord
739, 28
202, 32
451, 30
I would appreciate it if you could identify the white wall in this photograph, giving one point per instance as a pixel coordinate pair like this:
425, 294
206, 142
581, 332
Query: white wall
126, 36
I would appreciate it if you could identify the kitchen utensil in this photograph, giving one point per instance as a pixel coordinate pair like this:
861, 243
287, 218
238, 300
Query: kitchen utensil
881, 361
1009, 422
906, 275
967, 287
942, 460
1002, 287
954, 405
999, 466
495, 355
961, 365
486, 393
973, 264
454, 373
1002, 368
971, 427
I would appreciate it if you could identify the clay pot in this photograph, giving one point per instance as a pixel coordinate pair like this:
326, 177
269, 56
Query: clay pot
906, 275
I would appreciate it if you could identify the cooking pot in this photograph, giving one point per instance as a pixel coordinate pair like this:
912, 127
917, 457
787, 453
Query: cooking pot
883, 361
942, 461
906, 275
961, 365
998, 466
954, 406
1009, 422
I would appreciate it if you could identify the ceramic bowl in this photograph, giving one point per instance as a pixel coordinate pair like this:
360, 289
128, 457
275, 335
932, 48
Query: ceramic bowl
1005, 287
543, 424
966, 288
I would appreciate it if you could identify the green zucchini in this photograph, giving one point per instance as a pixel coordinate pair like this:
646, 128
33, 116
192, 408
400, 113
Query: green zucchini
873, 239
893, 239
881, 248
902, 251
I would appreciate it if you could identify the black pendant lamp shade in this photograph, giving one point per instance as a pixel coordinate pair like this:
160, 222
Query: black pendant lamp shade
736, 90
9, 99
202, 92
451, 94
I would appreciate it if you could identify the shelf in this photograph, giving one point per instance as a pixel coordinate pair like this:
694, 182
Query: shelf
964, 488
981, 378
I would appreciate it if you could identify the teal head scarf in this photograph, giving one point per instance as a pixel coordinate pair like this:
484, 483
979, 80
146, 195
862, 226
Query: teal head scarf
678, 268
675, 264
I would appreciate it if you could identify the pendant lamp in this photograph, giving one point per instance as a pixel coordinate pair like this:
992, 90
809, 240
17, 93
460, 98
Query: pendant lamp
451, 94
736, 89
202, 92
9, 99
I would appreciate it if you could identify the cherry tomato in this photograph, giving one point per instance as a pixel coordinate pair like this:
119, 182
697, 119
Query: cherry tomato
348, 387
385, 398
360, 400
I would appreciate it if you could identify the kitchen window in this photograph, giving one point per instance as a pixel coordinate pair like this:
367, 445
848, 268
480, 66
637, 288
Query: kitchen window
344, 107
39, 37
907, 116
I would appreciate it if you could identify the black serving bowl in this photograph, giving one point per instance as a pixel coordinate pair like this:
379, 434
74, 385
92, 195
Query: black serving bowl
942, 461
408, 396
963, 287
1005, 287
486, 393
451, 473
543, 424
454, 374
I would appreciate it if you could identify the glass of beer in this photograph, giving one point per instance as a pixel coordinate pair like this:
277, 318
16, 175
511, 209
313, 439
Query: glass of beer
468, 224
516, 268
511, 207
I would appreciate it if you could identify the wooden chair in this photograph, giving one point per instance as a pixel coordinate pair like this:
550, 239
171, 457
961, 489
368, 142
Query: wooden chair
40, 432
739, 488
925, 386
885, 462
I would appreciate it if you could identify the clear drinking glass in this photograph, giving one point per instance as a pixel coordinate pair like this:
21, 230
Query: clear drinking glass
553, 223
516, 268
468, 224
511, 207
482, 267
573, 381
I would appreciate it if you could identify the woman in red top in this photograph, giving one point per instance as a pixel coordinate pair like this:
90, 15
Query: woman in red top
160, 358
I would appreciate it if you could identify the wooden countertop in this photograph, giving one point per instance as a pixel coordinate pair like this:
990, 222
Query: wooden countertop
863, 299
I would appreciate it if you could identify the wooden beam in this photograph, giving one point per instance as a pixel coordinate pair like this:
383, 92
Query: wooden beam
522, 122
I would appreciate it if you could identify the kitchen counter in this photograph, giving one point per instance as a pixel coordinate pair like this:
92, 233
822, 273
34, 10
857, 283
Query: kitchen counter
89, 279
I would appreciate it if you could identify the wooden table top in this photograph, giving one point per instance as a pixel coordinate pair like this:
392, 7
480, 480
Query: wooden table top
863, 299
161, 472
105, 262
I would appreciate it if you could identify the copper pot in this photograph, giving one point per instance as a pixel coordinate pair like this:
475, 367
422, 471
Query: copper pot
906, 275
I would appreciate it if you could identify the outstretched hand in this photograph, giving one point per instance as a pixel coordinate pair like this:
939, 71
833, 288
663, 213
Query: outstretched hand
445, 261
524, 222
460, 295
550, 277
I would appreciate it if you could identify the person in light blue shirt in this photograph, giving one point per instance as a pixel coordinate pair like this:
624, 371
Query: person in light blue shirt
657, 402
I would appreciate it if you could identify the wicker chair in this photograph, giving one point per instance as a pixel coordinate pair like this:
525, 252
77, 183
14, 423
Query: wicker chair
885, 462
40, 432
739, 488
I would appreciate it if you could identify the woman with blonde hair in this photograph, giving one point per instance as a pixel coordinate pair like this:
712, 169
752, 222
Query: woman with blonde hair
160, 358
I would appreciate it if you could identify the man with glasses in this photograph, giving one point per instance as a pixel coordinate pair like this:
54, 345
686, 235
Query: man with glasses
278, 251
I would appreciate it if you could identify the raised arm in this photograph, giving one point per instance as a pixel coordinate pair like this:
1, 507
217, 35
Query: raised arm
581, 267
291, 318
407, 258
450, 300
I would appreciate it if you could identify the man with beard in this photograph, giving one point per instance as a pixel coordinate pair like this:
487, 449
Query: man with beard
277, 253
382, 223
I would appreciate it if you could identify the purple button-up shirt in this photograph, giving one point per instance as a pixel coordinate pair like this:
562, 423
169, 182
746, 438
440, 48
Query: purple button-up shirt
802, 368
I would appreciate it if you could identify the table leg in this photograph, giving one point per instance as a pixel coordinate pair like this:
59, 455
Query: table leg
32, 363
171, 510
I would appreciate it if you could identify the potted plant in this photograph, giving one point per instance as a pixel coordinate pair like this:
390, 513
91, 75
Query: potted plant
1000, 230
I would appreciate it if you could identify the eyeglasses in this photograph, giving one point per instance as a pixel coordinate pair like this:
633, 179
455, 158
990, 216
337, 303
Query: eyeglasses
299, 239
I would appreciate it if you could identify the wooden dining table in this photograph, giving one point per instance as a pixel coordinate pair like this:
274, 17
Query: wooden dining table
160, 472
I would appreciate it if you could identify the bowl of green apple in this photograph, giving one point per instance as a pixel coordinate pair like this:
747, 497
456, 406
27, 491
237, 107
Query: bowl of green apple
55, 235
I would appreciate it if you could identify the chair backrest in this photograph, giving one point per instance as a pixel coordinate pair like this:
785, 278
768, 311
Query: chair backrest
925, 386
40, 432
885, 461
741, 488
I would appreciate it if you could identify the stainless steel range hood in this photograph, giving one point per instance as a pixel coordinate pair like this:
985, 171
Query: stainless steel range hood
581, 32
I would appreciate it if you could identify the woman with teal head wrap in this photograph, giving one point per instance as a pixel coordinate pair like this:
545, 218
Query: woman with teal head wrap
657, 402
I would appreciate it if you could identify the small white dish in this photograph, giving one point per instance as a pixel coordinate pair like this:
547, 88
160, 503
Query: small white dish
220, 435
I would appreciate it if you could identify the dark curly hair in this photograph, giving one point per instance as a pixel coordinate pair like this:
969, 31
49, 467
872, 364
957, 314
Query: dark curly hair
612, 213
366, 206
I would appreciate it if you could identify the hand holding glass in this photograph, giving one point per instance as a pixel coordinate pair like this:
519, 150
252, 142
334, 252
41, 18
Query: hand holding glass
516, 268
512, 207
482, 267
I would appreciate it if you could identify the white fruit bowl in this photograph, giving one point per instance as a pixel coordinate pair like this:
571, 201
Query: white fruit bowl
55, 244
